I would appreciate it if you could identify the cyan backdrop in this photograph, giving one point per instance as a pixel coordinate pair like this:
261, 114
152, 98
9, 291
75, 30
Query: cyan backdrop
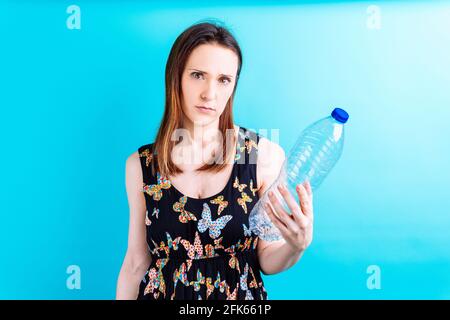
76, 102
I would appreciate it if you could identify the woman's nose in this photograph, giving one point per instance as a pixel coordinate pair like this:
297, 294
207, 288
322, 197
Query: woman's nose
209, 92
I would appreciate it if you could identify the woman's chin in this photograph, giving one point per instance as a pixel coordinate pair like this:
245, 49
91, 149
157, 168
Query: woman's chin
203, 119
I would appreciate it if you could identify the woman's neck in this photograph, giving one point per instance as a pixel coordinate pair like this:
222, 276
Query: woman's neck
204, 141
201, 136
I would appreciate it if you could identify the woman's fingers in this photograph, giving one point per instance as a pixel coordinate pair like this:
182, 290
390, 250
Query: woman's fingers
308, 188
276, 221
292, 203
283, 215
288, 198
305, 201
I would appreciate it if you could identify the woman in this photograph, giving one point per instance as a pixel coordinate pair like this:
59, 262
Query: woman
190, 192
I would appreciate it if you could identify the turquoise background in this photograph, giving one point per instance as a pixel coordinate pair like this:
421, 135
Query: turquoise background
75, 103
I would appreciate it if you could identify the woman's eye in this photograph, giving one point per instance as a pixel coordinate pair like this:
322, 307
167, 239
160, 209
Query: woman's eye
225, 80
196, 75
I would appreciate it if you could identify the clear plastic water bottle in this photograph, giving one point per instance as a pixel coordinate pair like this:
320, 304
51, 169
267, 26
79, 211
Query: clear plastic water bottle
314, 154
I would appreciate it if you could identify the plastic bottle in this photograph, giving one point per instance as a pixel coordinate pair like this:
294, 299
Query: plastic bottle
315, 153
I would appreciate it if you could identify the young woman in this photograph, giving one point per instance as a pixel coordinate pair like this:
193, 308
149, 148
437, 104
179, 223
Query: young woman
191, 191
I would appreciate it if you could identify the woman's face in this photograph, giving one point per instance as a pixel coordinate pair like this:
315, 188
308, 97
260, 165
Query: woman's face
208, 81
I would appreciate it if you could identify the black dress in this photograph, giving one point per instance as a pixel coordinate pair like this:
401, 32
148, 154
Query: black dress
203, 248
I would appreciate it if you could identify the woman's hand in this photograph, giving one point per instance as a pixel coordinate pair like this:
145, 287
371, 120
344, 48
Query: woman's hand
296, 227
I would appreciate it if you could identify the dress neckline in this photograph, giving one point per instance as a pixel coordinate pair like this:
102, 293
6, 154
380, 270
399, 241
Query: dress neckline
230, 179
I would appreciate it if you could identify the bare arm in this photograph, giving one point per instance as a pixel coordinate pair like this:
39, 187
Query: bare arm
137, 258
277, 256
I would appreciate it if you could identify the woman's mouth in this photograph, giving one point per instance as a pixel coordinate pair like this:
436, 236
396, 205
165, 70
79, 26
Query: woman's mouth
205, 109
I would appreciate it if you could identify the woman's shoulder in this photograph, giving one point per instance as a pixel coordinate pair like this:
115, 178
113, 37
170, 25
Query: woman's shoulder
270, 149
145, 153
146, 148
142, 156
271, 157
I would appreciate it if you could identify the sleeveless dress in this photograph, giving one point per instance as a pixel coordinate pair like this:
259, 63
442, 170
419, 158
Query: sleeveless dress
203, 248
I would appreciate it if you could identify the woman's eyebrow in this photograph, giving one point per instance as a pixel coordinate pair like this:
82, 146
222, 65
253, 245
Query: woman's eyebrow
222, 74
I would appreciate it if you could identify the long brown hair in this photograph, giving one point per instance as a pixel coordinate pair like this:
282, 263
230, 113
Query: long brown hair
197, 34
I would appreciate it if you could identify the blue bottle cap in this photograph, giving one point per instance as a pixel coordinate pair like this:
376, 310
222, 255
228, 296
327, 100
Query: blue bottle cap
340, 115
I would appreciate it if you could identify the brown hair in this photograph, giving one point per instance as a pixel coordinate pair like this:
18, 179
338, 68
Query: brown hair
197, 34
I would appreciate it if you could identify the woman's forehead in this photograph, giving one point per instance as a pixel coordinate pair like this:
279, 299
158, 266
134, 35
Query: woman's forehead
213, 59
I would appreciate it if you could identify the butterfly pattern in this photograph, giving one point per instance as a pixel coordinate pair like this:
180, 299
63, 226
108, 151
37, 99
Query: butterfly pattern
242, 200
155, 190
179, 275
232, 295
215, 227
209, 287
148, 221
171, 244
185, 216
253, 190
155, 212
156, 280
221, 285
234, 263
200, 280
201, 248
244, 283
239, 186
147, 155
247, 231
222, 204
194, 251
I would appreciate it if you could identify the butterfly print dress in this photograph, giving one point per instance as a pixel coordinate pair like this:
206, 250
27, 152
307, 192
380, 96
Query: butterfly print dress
203, 248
